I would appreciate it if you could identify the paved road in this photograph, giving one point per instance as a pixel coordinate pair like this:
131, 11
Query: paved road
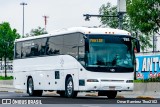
51, 98
84, 105
80, 101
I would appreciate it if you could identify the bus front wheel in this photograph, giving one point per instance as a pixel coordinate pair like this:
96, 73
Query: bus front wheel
30, 89
69, 88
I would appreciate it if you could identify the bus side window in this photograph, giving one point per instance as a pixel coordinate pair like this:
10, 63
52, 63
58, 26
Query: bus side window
81, 55
37, 47
34, 50
55, 45
42, 46
26, 48
71, 46
81, 49
18, 46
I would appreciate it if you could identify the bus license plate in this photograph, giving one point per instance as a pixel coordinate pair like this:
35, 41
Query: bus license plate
111, 87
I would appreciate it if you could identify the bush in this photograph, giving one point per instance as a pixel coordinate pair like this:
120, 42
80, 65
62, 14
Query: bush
7, 78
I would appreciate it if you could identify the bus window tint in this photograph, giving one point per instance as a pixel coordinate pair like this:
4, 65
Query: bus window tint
26, 47
55, 45
110, 52
71, 45
33, 48
18, 50
42, 46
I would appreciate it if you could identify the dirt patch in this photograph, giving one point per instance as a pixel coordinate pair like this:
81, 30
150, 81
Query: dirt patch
145, 97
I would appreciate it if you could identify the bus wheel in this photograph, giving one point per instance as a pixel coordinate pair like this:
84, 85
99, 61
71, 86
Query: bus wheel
30, 89
111, 94
69, 88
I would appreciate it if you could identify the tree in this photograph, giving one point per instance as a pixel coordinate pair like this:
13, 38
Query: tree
37, 31
7, 38
145, 15
109, 10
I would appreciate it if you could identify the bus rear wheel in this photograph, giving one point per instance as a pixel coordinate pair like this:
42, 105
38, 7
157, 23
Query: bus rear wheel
69, 88
30, 89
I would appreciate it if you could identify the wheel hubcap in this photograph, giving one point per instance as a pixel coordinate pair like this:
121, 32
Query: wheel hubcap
30, 87
70, 88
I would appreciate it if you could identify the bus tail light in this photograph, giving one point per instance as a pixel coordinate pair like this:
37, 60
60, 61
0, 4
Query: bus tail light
92, 80
129, 81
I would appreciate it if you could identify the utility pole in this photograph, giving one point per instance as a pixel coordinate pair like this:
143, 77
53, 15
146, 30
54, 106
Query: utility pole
23, 4
121, 11
120, 17
45, 21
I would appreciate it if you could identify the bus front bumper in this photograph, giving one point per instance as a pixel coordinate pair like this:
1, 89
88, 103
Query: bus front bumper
102, 86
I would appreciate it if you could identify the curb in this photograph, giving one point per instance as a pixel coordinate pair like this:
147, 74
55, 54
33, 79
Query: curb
3, 91
18, 91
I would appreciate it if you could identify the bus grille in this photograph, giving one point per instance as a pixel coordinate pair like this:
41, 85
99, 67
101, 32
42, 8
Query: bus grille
104, 80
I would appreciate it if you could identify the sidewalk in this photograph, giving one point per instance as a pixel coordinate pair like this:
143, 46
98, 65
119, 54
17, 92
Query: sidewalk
10, 89
7, 86
6, 83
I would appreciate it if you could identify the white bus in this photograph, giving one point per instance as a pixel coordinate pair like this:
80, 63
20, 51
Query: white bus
76, 59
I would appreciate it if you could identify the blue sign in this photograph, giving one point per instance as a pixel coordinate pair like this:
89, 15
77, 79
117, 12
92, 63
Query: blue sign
147, 66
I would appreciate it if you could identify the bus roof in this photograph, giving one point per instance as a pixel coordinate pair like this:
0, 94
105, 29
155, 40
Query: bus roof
84, 30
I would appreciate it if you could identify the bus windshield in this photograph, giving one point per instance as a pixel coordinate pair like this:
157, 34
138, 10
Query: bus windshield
110, 52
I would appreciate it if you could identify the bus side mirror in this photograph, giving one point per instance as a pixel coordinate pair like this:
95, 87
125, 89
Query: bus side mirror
137, 46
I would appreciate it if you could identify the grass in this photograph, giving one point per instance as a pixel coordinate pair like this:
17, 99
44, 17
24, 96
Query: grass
7, 78
138, 81
157, 79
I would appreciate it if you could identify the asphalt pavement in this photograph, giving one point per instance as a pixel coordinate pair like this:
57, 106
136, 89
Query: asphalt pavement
83, 100
123, 94
83, 105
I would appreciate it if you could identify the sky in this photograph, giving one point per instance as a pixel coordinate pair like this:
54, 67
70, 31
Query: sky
61, 13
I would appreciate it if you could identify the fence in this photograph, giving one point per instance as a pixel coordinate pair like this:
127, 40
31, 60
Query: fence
9, 68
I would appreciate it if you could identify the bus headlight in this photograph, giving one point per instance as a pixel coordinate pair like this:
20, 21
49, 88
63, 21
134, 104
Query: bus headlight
129, 81
92, 80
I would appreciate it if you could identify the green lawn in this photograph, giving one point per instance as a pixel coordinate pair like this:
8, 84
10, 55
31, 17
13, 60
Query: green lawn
7, 78
148, 80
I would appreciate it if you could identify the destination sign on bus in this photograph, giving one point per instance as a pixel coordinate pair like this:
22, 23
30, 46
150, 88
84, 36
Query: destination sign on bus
108, 40
96, 40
